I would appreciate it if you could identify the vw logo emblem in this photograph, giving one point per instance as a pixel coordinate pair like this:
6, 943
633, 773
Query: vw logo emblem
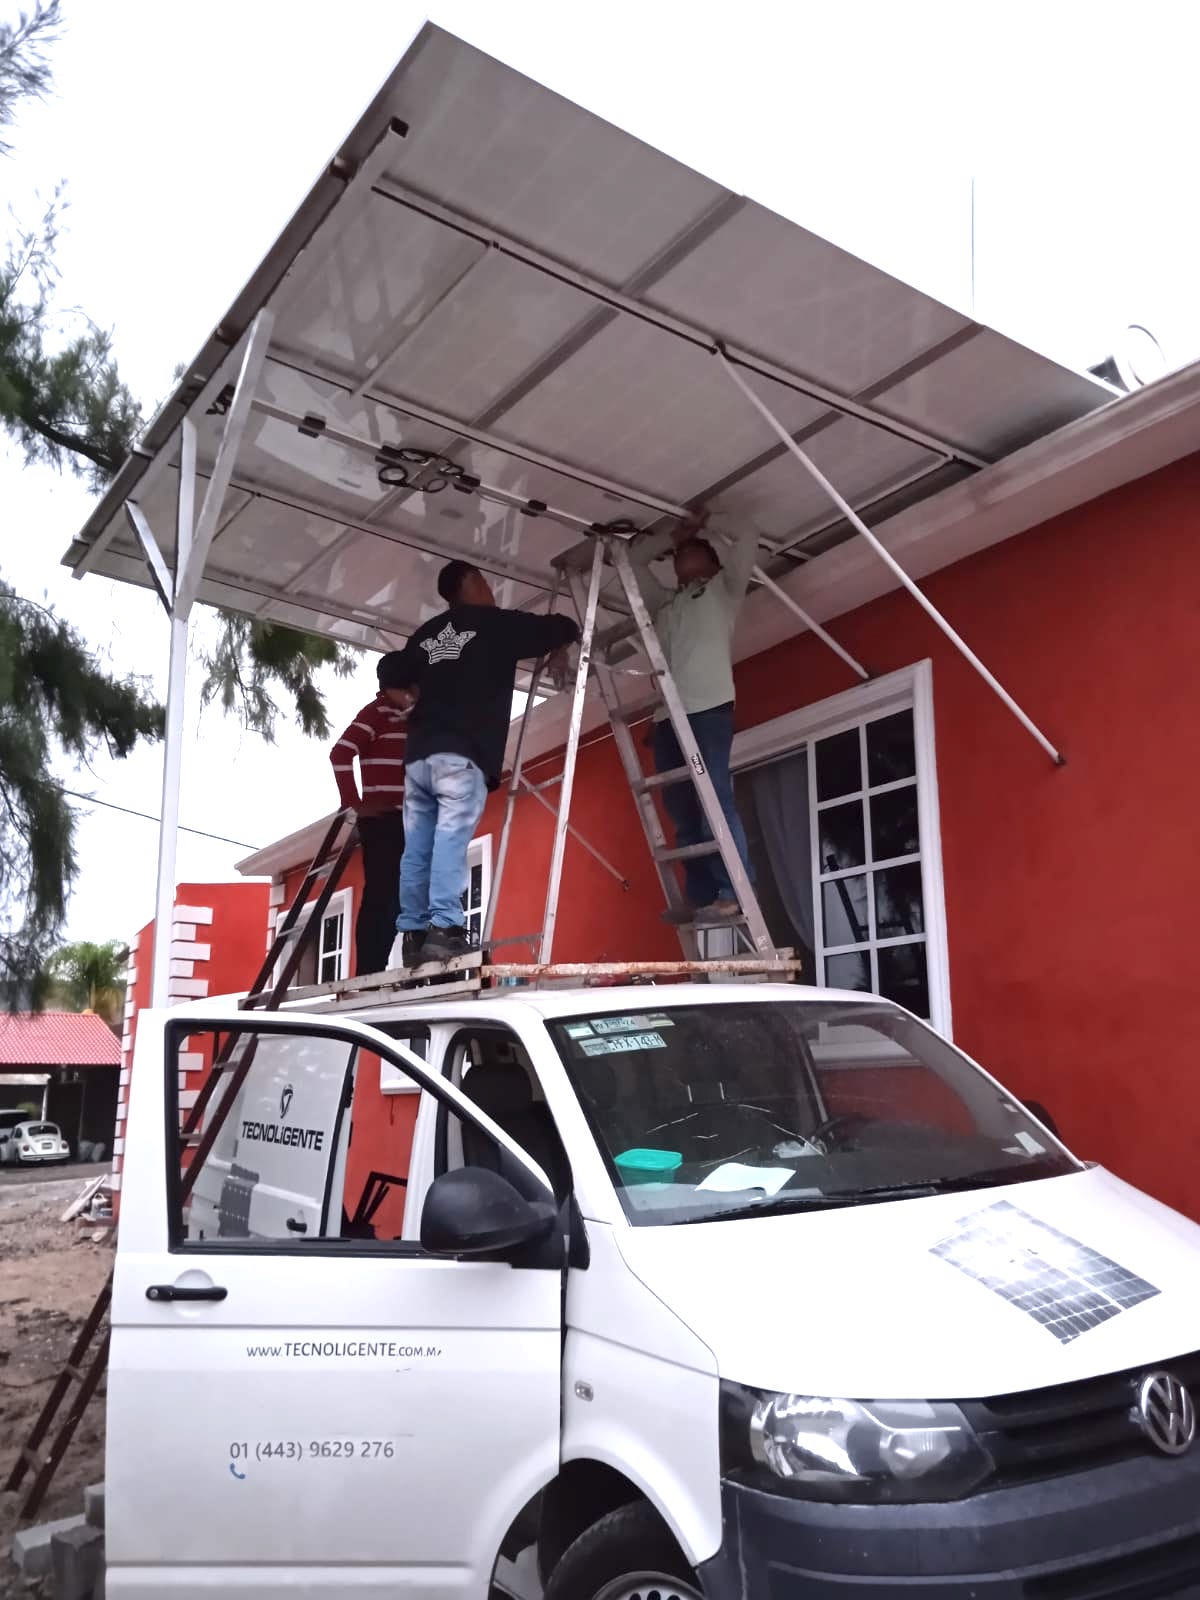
1166, 1413
285, 1100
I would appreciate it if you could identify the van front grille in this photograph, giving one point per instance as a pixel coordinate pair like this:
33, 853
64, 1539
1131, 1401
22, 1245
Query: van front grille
1044, 1433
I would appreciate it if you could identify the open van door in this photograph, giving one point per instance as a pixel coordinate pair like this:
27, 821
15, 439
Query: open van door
291, 1410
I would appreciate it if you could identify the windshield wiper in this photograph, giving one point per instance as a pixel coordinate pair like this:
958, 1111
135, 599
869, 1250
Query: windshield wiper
780, 1204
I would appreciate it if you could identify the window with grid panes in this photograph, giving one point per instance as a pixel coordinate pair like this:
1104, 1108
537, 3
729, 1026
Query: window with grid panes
473, 903
331, 964
870, 907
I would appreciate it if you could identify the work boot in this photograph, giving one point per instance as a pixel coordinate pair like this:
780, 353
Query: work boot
444, 944
413, 948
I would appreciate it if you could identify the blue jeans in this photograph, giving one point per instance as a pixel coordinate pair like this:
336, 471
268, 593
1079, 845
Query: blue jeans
705, 878
444, 797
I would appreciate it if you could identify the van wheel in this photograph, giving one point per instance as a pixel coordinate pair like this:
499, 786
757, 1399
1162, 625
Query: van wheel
627, 1555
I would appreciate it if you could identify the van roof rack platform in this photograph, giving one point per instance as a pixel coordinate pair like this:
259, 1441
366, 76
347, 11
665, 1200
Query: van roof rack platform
472, 974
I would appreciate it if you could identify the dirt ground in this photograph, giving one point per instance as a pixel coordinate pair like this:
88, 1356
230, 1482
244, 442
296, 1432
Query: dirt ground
49, 1276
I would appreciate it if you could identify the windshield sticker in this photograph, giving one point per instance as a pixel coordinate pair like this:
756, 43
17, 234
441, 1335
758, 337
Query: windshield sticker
1066, 1287
621, 1043
629, 1024
579, 1030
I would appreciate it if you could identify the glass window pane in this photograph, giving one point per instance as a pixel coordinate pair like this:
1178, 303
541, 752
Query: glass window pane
844, 910
329, 968
331, 933
899, 907
839, 765
894, 829
842, 843
904, 977
849, 972
891, 749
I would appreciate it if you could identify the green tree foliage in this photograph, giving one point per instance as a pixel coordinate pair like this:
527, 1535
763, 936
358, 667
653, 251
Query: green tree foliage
63, 402
53, 697
90, 977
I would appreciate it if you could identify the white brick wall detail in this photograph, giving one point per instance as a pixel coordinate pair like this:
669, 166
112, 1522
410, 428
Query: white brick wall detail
187, 989
118, 1147
183, 969
278, 890
189, 950
114, 1182
190, 1061
188, 1098
124, 1075
193, 914
183, 932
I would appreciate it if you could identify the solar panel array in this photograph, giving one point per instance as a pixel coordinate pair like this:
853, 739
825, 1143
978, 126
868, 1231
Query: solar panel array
1066, 1287
529, 297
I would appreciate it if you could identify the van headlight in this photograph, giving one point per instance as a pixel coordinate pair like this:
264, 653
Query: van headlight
861, 1451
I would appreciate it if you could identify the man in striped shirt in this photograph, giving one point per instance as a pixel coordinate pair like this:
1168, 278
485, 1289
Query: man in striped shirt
377, 736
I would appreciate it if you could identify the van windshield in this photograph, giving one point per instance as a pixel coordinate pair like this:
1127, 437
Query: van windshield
711, 1111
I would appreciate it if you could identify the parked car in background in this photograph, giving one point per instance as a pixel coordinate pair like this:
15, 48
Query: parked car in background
30, 1143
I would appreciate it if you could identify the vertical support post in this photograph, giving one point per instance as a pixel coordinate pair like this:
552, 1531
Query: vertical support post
572, 752
514, 785
189, 573
887, 557
168, 831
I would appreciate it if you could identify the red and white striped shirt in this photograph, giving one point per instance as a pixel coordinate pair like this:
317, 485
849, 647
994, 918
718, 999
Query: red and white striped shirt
377, 736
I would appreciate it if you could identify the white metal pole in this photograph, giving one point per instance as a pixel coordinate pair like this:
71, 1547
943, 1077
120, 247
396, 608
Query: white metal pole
572, 752
614, 872
189, 573
798, 610
514, 783
890, 561
168, 832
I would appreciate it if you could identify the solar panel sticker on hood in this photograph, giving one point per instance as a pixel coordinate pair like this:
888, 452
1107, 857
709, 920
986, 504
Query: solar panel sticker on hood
1064, 1285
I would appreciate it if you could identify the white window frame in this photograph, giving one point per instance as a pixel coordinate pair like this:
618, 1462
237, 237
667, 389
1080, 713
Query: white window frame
341, 902
479, 854
898, 691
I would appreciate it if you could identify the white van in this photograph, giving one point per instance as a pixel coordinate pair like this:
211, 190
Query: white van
727, 1291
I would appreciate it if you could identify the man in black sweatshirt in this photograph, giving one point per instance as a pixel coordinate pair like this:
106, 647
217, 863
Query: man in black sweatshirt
464, 662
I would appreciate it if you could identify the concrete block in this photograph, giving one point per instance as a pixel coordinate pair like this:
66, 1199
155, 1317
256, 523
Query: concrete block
31, 1546
202, 914
93, 1505
76, 1561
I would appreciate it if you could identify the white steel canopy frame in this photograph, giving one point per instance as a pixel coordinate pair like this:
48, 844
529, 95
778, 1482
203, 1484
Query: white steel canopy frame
488, 334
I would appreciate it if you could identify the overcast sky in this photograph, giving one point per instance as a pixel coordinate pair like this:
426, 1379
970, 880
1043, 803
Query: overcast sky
187, 133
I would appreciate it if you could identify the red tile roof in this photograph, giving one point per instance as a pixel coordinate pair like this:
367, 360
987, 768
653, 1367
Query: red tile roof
57, 1039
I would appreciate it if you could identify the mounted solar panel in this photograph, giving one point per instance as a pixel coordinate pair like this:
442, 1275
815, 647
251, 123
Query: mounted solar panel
494, 326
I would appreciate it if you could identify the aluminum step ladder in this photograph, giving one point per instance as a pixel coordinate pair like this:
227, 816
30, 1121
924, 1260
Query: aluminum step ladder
749, 927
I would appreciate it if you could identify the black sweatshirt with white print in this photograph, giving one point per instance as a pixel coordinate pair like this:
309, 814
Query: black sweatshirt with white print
464, 663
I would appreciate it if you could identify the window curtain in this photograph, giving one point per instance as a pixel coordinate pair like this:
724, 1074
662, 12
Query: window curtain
780, 791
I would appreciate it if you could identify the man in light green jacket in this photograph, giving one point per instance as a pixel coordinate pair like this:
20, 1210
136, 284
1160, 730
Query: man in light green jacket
695, 623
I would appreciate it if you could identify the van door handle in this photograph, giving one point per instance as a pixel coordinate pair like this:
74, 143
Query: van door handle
296, 1227
171, 1291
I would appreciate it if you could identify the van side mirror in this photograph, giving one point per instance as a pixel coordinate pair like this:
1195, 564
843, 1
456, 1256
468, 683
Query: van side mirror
475, 1212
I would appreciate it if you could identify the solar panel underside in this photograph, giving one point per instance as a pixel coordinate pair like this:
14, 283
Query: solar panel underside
531, 295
